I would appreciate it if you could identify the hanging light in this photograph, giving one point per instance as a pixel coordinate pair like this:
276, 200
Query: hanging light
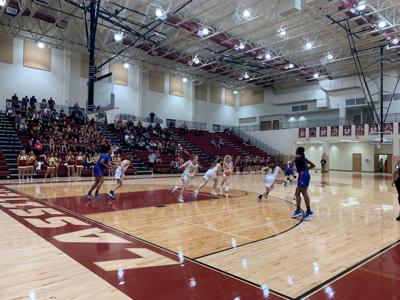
241, 46
308, 46
395, 41
290, 66
361, 5
118, 36
184, 79
246, 14
382, 24
126, 65
316, 75
329, 56
246, 75
2, 2
267, 55
40, 45
235, 92
205, 31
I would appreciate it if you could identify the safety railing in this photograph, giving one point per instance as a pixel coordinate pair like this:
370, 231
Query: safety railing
68, 110
134, 118
190, 124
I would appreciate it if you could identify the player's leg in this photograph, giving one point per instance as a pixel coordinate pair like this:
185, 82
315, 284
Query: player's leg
298, 213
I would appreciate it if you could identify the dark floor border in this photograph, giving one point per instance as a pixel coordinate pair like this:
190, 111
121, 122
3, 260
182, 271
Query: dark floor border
347, 271
147, 242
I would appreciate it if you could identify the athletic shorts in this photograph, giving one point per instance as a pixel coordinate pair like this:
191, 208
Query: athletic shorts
185, 177
98, 172
209, 175
288, 172
269, 180
304, 179
118, 174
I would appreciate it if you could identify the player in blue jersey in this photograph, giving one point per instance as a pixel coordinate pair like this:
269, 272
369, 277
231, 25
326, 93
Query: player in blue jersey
102, 164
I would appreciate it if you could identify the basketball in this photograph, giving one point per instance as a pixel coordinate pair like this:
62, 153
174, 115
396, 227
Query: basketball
228, 172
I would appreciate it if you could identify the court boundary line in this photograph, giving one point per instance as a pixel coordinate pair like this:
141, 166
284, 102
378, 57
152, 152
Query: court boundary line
151, 243
347, 271
259, 240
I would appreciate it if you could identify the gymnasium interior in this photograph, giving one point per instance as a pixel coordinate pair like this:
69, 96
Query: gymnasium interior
158, 82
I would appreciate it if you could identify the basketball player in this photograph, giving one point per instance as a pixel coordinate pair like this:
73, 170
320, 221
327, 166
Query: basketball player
22, 160
70, 159
120, 175
98, 171
396, 182
228, 170
303, 165
190, 168
32, 162
272, 173
211, 174
289, 173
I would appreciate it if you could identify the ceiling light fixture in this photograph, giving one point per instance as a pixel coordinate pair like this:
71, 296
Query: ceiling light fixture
235, 92
361, 5
246, 14
126, 65
184, 79
40, 45
290, 66
241, 46
205, 31
308, 46
382, 24
2, 2
267, 55
246, 75
118, 36
316, 75
329, 56
395, 41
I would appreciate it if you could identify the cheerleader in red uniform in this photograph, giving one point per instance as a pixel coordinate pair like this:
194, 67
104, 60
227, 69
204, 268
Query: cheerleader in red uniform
22, 161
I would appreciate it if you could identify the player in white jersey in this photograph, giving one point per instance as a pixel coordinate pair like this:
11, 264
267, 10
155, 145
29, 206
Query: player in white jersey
272, 173
120, 174
190, 168
228, 171
211, 174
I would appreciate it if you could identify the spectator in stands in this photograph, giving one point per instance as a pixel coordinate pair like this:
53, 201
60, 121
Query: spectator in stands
221, 143
18, 120
179, 149
32, 102
119, 123
152, 117
14, 101
173, 167
23, 127
43, 104
151, 161
184, 128
130, 123
51, 103
24, 102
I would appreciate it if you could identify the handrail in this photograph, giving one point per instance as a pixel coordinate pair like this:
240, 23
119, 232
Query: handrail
134, 118
190, 124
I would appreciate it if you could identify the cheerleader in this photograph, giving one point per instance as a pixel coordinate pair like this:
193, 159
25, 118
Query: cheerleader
32, 162
22, 163
211, 174
272, 173
396, 183
289, 173
228, 170
51, 166
303, 165
120, 175
190, 168
79, 164
70, 159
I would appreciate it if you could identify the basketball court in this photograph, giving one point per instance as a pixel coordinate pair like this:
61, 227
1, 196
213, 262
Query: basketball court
225, 247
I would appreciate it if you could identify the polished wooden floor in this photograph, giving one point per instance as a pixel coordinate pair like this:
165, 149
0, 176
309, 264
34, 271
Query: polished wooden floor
258, 242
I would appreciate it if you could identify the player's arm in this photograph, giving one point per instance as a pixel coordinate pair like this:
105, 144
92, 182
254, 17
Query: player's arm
103, 163
184, 165
310, 164
264, 169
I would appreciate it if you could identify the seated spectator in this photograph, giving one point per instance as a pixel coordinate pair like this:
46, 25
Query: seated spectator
130, 123
43, 104
119, 123
212, 142
173, 167
221, 143
184, 128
